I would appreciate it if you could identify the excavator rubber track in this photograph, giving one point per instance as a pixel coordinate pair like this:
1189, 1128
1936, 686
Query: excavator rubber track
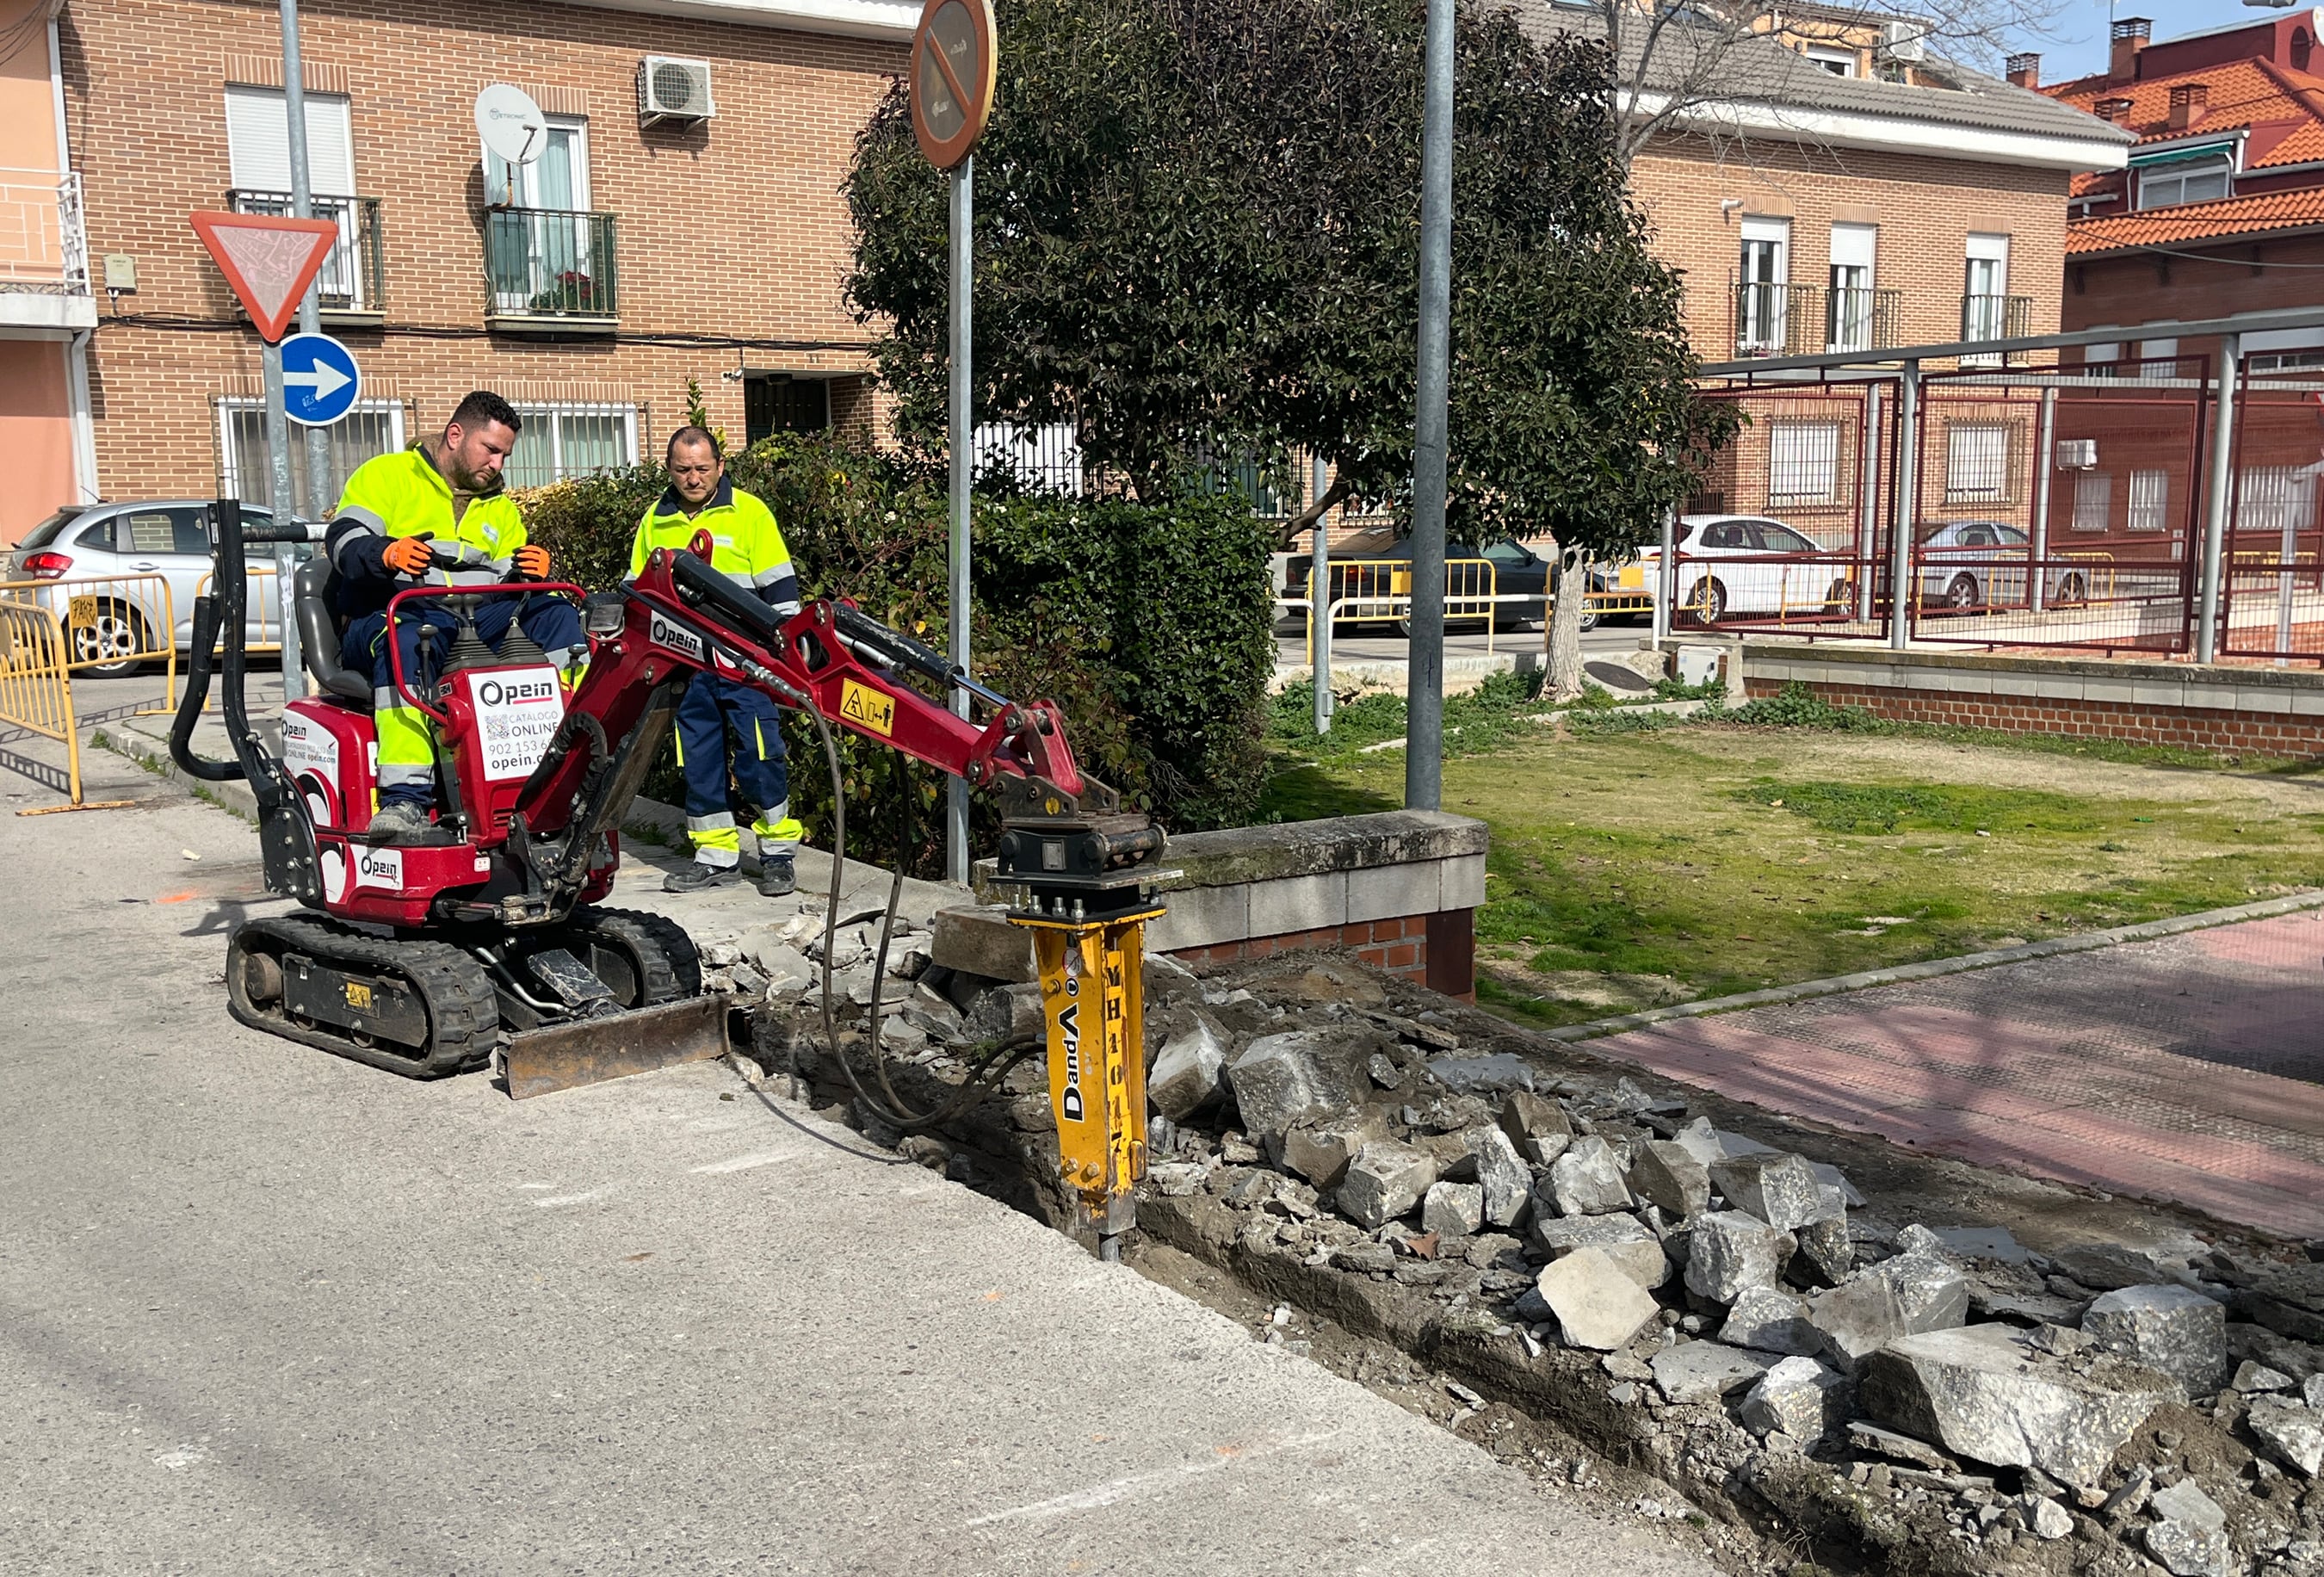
428, 1008
416, 1008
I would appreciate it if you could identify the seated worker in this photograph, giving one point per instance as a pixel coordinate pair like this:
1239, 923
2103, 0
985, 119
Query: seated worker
748, 548
442, 491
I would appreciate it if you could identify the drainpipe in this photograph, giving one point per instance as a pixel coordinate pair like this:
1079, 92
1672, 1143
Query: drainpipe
84, 425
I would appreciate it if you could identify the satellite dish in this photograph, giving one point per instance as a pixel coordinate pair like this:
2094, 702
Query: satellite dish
511, 124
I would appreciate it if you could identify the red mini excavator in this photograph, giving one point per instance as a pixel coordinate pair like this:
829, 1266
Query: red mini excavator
486, 945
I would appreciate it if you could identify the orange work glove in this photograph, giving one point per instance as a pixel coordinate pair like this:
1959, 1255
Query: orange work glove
532, 559
408, 555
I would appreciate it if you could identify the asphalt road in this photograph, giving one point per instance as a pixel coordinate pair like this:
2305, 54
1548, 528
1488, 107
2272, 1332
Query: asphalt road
265, 1310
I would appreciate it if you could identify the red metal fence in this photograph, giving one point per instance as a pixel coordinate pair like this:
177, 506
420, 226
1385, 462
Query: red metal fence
2057, 507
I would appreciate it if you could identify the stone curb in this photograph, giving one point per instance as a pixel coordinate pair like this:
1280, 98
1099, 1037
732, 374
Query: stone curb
1835, 985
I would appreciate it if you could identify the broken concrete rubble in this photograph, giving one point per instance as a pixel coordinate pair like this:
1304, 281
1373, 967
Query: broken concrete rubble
1621, 1237
1502, 1173
1728, 1252
1481, 1075
2293, 1430
1452, 1210
1384, 1181
1587, 1179
1292, 1077
1597, 1303
1984, 1397
1320, 1152
1705, 1371
1666, 1175
2185, 1551
1778, 1189
1904, 1297
1771, 1320
1799, 1398
1190, 1071
1538, 1126
2172, 1328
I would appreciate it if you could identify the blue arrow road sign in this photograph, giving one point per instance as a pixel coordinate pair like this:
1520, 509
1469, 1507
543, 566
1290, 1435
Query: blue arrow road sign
320, 383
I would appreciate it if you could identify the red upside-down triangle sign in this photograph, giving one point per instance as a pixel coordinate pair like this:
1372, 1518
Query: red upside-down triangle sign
269, 259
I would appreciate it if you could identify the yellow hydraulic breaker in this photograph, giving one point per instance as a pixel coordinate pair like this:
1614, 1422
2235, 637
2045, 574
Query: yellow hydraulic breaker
1093, 994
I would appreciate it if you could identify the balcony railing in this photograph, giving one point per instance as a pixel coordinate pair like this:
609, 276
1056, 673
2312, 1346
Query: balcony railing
551, 269
43, 247
1777, 320
1861, 319
1995, 317
350, 285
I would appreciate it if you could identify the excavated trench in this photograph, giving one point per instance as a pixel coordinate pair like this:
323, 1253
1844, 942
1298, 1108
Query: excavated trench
1441, 1324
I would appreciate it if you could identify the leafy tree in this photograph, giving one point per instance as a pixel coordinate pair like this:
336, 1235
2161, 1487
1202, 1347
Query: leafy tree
1197, 232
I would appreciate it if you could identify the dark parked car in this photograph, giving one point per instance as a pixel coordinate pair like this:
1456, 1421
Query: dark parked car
1373, 584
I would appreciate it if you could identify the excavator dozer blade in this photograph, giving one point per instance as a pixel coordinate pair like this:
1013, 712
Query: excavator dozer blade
590, 1051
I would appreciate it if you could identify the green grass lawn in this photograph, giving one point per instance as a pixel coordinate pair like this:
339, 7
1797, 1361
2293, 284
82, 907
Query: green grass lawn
1631, 869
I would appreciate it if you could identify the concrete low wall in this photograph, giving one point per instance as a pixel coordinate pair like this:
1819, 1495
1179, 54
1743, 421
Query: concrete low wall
2276, 712
1400, 888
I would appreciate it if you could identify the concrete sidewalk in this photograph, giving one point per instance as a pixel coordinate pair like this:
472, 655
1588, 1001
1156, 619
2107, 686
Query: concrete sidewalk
2189, 1068
262, 1308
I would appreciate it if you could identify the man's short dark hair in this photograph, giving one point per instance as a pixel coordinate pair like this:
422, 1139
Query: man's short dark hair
690, 434
482, 407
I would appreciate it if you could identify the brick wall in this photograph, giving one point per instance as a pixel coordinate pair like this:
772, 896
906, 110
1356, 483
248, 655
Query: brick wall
1435, 950
1925, 208
2150, 704
731, 227
2254, 273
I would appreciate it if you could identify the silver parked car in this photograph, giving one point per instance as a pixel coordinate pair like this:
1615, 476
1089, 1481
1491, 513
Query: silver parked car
1982, 564
100, 541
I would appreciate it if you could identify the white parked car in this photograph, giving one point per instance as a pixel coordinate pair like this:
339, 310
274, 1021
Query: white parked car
1982, 564
1751, 565
98, 542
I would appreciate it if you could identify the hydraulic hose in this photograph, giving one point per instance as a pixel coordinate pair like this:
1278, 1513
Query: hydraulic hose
894, 1112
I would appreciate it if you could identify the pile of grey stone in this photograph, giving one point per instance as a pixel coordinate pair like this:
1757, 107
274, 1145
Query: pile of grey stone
1721, 1283
782, 965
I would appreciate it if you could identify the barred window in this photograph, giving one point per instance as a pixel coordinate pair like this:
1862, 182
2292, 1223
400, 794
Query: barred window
2149, 493
2093, 501
246, 466
1802, 464
559, 442
1977, 462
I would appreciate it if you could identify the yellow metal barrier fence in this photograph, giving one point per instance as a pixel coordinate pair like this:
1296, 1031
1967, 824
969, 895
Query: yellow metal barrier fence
1377, 590
107, 620
36, 692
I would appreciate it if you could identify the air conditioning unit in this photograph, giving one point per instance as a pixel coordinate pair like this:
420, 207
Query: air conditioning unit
671, 89
1904, 40
2078, 454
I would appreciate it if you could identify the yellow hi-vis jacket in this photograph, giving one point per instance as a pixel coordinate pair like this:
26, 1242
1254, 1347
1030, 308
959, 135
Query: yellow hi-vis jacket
746, 544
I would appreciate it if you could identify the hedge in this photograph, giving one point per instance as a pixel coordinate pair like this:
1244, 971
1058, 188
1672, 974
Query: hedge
1151, 625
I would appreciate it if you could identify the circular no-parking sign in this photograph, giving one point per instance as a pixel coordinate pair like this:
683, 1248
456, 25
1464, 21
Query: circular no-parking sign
952, 75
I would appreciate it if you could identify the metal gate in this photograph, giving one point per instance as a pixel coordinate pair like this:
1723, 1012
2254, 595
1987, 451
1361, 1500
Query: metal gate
2272, 601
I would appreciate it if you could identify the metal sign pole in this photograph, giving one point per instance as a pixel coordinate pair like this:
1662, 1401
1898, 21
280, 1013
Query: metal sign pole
1423, 755
318, 442
963, 438
1319, 609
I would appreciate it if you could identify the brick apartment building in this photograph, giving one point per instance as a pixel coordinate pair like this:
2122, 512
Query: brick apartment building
638, 253
2221, 208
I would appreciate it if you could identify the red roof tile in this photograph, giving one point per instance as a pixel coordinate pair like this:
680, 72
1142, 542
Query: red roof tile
2274, 210
2259, 95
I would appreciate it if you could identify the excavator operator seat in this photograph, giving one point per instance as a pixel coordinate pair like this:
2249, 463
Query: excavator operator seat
316, 607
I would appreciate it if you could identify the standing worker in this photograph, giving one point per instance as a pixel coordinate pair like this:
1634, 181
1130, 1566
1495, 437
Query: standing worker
442, 492
748, 548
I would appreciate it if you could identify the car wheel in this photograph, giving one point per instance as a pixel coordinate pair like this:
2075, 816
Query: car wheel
1962, 592
2073, 591
1706, 604
1839, 602
110, 644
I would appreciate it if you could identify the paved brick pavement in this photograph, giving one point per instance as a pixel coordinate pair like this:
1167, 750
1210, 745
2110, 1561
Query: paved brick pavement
2188, 1069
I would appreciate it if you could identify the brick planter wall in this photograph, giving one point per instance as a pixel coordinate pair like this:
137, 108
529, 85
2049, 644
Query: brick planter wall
2228, 711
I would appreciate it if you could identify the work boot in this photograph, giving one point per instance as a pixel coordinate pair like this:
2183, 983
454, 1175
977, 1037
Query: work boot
400, 822
776, 877
700, 878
